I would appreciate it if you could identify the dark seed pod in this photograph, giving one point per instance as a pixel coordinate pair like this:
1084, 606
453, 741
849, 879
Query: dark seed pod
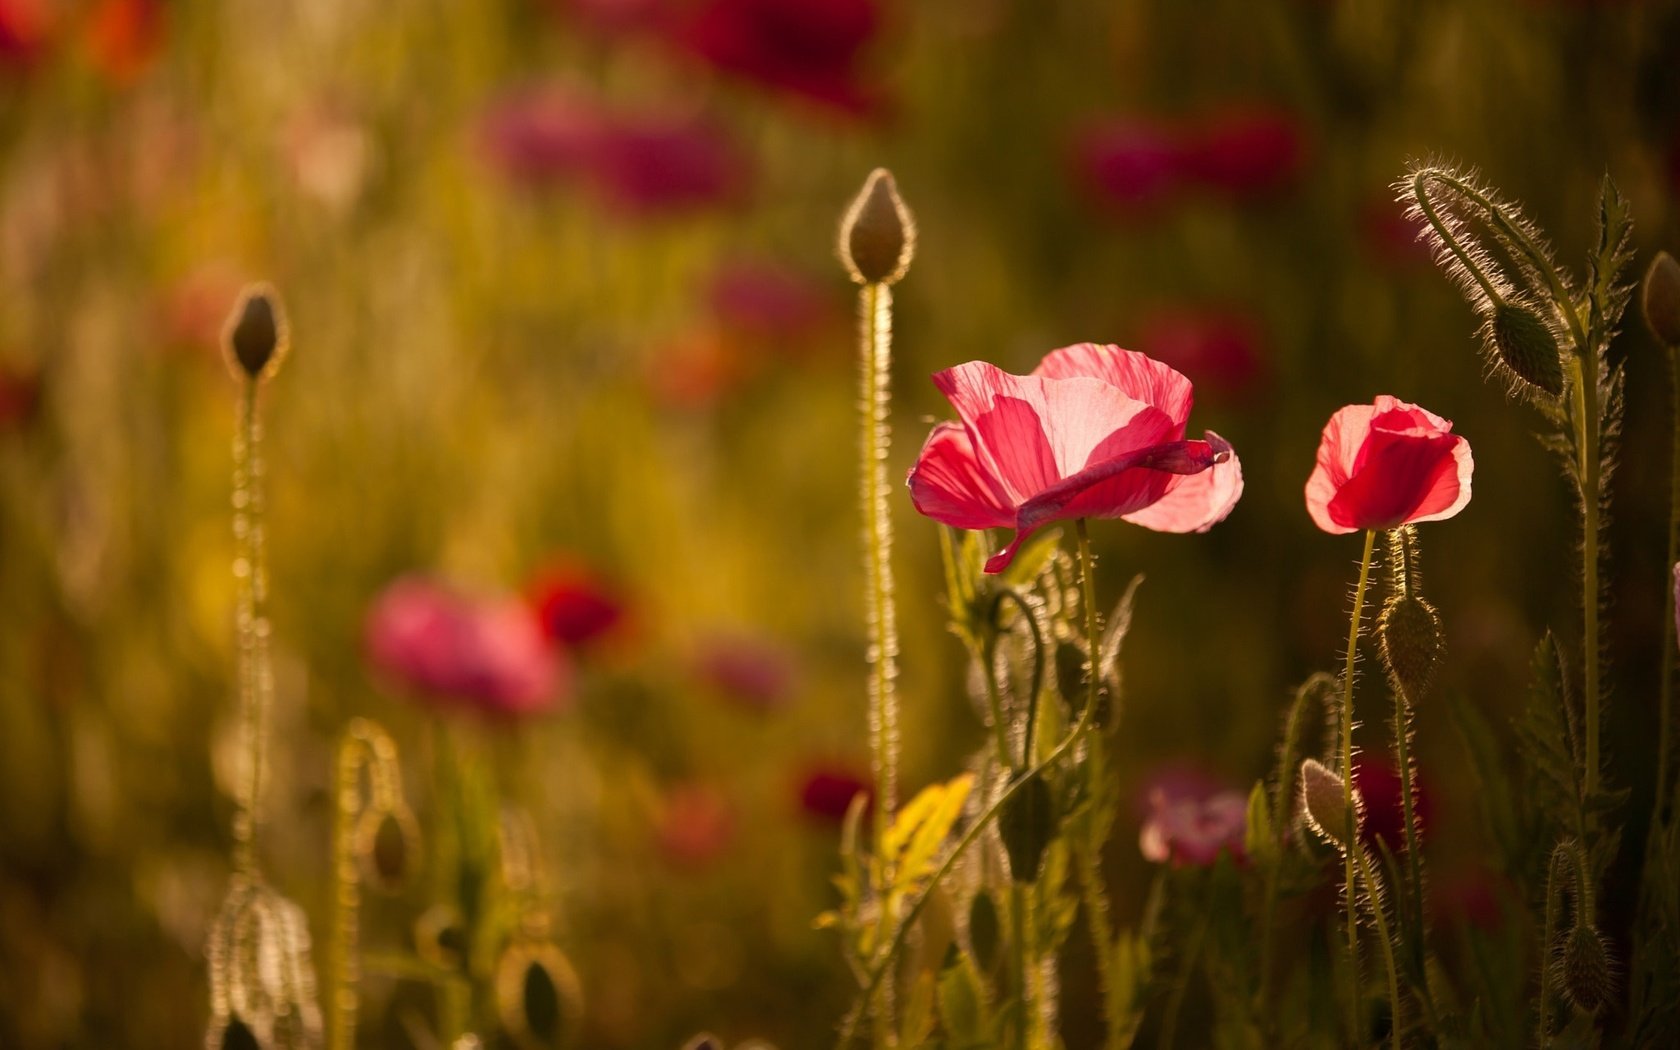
1409, 637
877, 235
1527, 346
254, 337
983, 930
1659, 299
238, 1036
387, 843
1585, 969
1027, 823
539, 1001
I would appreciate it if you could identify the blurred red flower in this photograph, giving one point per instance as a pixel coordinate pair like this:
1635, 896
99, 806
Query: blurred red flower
1246, 151
1095, 431
826, 792
1384, 816
24, 31
1386, 464
575, 606
696, 825
489, 655
808, 48
1131, 165
123, 37
1190, 825
752, 672
1220, 345
1389, 238
767, 302
20, 396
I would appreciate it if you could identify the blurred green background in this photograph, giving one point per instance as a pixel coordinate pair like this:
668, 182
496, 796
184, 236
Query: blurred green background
562, 291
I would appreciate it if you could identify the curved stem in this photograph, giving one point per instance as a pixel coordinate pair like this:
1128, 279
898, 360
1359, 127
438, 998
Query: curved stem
1585, 376
1433, 217
1384, 939
1350, 831
1037, 671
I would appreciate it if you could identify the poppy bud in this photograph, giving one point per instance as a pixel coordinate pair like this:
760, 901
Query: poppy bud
1409, 639
440, 937
1585, 968
387, 842
538, 1000
1660, 299
878, 235
238, 1036
255, 333
983, 929
1026, 823
1326, 806
1527, 345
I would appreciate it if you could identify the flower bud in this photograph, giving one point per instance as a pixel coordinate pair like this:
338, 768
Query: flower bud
983, 929
538, 998
1027, 822
877, 236
1585, 968
387, 845
1409, 639
1322, 798
1527, 345
254, 337
1660, 299
237, 1035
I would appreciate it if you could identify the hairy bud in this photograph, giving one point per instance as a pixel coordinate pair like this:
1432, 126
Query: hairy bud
1659, 299
1527, 346
877, 235
1585, 969
254, 337
1322, 798
538, 998
387, 847
1027, 822
983, 929
1410, 640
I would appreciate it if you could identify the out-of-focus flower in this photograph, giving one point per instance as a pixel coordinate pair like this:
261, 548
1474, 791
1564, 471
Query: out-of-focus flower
1386, 464
20, 397
767, 303
826, 791
191, 310
1384, 816
1388, 237
486, 654
1189, 824
24, 32
1475, 896
696, 370
1246, 151
123, 37
812, 49
695, 825
645, 163
751, 672
330, 154
1220, 345
1094, 432
575, 606
1129, 165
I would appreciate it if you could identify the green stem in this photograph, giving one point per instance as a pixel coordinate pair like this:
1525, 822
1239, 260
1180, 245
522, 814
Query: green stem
1412, 900
1586, 440
255, 676
1021, 957
1384, 939
1350, 830
1095, 900
1037, 668
1175, 1001
1665, 702
876, 350
1433, 217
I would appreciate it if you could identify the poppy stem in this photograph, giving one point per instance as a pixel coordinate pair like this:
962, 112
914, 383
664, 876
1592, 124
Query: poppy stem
1400, 542
1374, 898
1351, 828
1584, 372
255, 675
875, 348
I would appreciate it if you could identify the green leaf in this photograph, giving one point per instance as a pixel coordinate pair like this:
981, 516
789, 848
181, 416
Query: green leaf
1548, 742
1259, 839
1610, 257
912, 844
916, 1022
962, 1005
1119, 622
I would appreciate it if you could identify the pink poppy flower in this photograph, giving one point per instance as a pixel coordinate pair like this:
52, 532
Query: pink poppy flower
655, 164
808, 48
1130, 165
540, 136
766, 302
1387, 464
488, 654
24, 29
575, 606
826, 792
1246, 152
1192, 828
1094, 432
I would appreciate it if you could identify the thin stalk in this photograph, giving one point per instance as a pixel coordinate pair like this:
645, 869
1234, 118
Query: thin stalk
876, 351
1095, 901
1433, 217
255, 676
342, 1004
1020, 957
1398, 554
1384, 939
1175, 1002
1665, 694
1586, 439
1350, 830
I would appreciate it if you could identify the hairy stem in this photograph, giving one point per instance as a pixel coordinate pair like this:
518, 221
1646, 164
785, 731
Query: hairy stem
1665, 702
1094, 897
255, 675
1350, 830
1412, 900
1175, 1001
1585, 376
1384, 939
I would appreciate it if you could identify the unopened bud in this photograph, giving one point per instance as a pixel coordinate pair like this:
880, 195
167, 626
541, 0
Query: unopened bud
1323, 798
1527, 345
1660, 299
238, 1036
538, 998
983, 929
1026, 823
877, 236
1585, 969
387, 845
1409, 639
255, 334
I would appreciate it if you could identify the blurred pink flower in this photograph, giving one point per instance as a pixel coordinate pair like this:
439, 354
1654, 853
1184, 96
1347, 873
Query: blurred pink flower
696, 370
641, 164
1130, 165
123, 37
768, 302
754, 673
1389, 238
192, 309
1190, 824
1384, 815
575, 606
1475, 896
20, 397
489, 655
1221, 346
812, 49
1246, 151
826, 791
696, 825
24, 33
1094, 432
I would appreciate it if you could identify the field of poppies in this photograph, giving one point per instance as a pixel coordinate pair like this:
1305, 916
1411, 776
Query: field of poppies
750, 524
